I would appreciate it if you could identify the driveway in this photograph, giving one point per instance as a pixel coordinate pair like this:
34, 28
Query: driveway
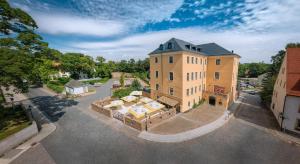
80, 138
254, 112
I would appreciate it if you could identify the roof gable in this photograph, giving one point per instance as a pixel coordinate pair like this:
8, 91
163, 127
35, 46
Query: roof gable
209, 49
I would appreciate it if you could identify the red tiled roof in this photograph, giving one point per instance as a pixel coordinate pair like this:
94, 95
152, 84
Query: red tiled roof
293, 72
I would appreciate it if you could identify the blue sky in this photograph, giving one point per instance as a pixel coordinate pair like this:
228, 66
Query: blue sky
119, 29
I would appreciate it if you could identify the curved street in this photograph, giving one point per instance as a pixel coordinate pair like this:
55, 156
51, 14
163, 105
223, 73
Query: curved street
82, 138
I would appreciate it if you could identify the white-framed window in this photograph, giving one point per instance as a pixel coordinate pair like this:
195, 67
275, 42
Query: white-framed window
156, 74
201, 61
217, 75
196, 75
157, 86
195, 89
196, 60
200, 75
170, 59
218, 61
192, 78
188, 59
192, 60
187, 76
187, 92
189, 103
192, 91
171, 76
171, 91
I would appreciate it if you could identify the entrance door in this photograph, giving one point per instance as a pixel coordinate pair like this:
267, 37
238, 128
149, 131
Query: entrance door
212, 100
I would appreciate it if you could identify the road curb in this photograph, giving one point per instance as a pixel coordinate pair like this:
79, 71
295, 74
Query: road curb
194, 133
187, 135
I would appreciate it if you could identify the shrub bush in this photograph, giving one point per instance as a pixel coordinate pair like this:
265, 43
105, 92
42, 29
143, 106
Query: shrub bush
122, 92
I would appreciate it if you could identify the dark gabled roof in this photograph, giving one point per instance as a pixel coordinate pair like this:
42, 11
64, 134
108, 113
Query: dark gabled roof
74, 84
213, 49
209, 49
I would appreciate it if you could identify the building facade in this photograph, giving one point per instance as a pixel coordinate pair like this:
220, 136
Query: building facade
286, 95
190, 73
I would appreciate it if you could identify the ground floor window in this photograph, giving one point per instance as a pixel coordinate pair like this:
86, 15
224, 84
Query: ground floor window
297, 124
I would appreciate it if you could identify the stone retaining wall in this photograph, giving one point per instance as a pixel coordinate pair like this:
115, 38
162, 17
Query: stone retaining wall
156, 119
101, 110
18, 138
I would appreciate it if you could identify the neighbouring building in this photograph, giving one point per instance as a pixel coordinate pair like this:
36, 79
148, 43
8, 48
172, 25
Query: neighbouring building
60, 74
189, 73
75, 87
286, 95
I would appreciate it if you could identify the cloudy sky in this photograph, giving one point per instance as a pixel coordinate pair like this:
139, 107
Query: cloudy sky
123, 29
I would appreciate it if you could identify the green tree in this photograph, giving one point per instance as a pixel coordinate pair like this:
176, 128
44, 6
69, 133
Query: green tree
76, 63
122, 80
136, 85
269, 81
14, 19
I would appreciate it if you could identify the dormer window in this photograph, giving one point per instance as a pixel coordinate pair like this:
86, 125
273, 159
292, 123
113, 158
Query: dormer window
161, 47
194, 48
169, 45
198, 49
188, 46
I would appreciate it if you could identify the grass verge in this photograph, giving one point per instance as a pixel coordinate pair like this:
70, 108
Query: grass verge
12, 121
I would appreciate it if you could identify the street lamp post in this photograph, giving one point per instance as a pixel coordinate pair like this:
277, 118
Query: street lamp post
146, 116
12, 101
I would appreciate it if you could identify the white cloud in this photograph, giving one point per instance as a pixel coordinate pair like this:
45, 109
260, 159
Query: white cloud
252, 47
133, 13
66, 24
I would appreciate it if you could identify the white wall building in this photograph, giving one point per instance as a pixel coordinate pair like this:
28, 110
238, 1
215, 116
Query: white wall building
75, 87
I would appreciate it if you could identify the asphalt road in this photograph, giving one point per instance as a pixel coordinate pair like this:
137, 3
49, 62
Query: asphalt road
81, 139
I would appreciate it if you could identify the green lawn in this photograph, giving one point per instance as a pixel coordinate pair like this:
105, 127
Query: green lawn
58, 85
122, 92
12, 121
92, 82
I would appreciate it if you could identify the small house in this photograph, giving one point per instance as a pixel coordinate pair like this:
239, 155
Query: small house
75, 87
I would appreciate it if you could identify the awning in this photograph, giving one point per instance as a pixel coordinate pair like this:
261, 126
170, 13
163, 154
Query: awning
168, 101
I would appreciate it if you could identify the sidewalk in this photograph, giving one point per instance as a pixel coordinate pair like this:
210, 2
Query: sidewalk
191, 134
46, 126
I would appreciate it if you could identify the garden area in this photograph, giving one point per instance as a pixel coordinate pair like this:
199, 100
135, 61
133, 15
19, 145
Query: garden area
125, 91
96, 81
12, 120
58, 85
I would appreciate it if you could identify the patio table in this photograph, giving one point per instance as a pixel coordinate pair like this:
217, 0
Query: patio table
129, 98
146, 100
154, 106
138, 111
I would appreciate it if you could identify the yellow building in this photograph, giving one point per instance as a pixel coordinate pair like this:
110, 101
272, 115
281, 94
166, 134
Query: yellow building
189, 73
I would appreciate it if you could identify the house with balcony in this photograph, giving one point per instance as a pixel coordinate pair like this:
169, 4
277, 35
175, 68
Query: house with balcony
189, 73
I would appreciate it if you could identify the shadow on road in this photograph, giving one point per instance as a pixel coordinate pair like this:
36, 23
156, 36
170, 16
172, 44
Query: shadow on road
52, 106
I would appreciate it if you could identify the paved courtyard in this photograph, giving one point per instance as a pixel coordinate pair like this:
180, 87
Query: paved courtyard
190, 120
82, 138
254, 112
